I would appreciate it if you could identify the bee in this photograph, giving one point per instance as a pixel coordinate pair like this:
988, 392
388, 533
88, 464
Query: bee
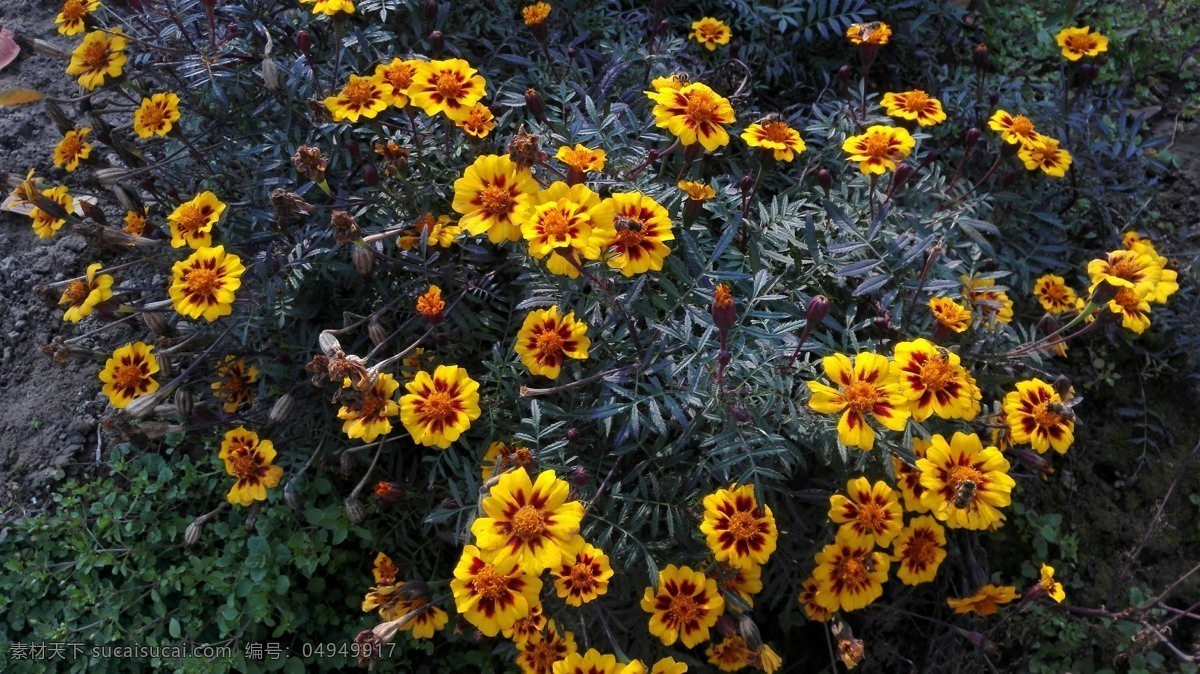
869, 563
943, 353
964, 493
866, 30
623, 223
1066, 393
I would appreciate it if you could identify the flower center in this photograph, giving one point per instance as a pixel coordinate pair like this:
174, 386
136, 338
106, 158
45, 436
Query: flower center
488, 583
152, 116
201, 281
921, 550
372, 403
96, 55
496, 199
439, 405
359, 92
936, 373
710, 33
1126, 267
581, 575
629, 238
77, 292
244, 465
544, 654
73, 10
400, 77
851, 571
701, 107
1021, 125
1127, 299
1056, 293
549, 344
128, 376
528, 522
72, 146
684, 609
449, 85
556, 224
860, 396
1084, 42
916, 100
777, 131
871, 517
192, 219
743, 525
960, 475
878, 145
1042, 415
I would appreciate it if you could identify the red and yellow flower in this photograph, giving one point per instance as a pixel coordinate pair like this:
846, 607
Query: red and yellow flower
994, 305
368, 415
399, 73
1134, 311
438, 409
730, 654
871, 513
81, 296
45, 224
915, 105
581, 158
697, 191
684, 607
582, 577
437, 231
1045, 154
430, 305
249, 459
875, 32
744, 582
546, 339
879, 149
592, 662
1036, 415
807, 598
908, 478
1014, 129
479, 121
849, 575
99, 56
70, 20
1051, 587
919, 549
694, 113
528, 627
965, 483
529, 523
934, 379
739, 531
535, 14
500, 457
492, 596
157, 115
569, 223
129, 373
866, 386
539, 653
192, 221
1054, 294
72, 149
1076, 43
950, 314
1168, 280
642, 226
1136, 269
986, 601
451, 87
710, 32
493, 195
204, 285
775, 135
234, 385
362, 96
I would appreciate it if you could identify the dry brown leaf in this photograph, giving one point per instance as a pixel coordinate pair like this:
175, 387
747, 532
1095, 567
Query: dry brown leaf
18, 96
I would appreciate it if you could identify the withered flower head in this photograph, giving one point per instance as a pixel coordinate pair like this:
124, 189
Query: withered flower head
288, 205
345, 227
57, 350
308, 160
395, 156
525, 149
337, 368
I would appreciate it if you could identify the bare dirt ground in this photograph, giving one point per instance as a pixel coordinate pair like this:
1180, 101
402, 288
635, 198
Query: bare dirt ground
48, 413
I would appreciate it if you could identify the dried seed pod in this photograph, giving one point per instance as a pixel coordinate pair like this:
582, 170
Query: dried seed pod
291, 497
183, 404
282, 408
143, 406
191, 536
363, 259
376, 332
355, 510
329, 343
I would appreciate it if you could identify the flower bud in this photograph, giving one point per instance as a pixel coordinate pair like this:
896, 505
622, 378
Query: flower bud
431, 10
535, 104
389, 492
183, 404
664, 27
749, 632
448, 504
56, 114
726, 626
191, 536
571, 52
746, 184
724, 313
354, 510
1009, 177
414, 589
825, 180
436, 41
304, 42
903, 172
252, 516
282, 408
291, 497
370, 175
1088, 73
741, 414
573, 434
972, 137
980, 56
993, 98
155, 321
329, 343
817, 310
363, 259
580, 476
735, 48
209, 5
376, 332
844, 75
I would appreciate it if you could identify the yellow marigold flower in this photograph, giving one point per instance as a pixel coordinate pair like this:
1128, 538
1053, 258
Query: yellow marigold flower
775, 135
995, 305
871, 513
696, 191
683, 607
985, 601
880, 149
694, 114
135, 222
539, 653
965, 484
673, 82
1054, 294
582, 577
1133, 310
493, 195
849, 575
157, 115
915, 105
100, 55
744, 582
45, 225
1168, 280
25, 189
934, 379
663, 666
129, 373
440, 408
400, 74
205, 283
368, 417
569, 223
592, 662
249, 459
739, 531
864, 386
492, 596
82, 296
919, 549
361, 97
500, 457
950, 314
436, 231
546, 339
536, 13
1077, 43
529, 522
710, 32
427, 622
479, 121
809, 592
1045, 154
1131, 238
330, 7
1135, 269
384, 569
1051, 587
1014, 129
766, 659
642, 225
234, 385
71, 19
451, 86
387, 599
1036, 415
908, 478
875, 32
192, 221
430, 305
581, 158
72, 149
528, 627
730, 654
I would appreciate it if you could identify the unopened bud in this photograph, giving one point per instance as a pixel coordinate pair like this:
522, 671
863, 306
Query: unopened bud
980, 56
143, 406
902, 174
414, 589
735, 48
191, 536
291, 497
825, 180
431, 10
155, 321
209, 5
724, 312
183, 404
436, 41
580, 476
749, 632
282, 408
817, 310
363, 259
56, 114
1088, 73
972, 136
353, 148
370, 175
993, 98
746, 184
535, 104
726, 626
389, 492
741, 414
376, 332
329, 343
844, 74
448, 504
304, 41
354, 510
1009, 177
573, 434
